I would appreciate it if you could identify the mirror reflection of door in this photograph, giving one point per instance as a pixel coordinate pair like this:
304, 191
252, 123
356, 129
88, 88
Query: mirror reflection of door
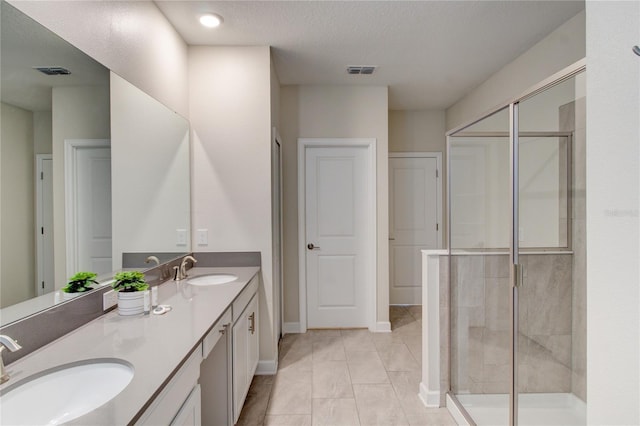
44, 224
414, 211
88, 195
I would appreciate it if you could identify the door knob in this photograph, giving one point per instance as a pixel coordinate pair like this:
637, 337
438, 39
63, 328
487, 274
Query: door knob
310, 246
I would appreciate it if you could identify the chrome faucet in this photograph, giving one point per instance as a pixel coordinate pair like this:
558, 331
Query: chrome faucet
12, 345
181, 271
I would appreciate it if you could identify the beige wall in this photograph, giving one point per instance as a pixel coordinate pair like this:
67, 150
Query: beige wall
333, 112
42, 132
132, 38
612, 214
78, 113
420, 131
561, 48
17, 250
230, 110
150, 184
417, 131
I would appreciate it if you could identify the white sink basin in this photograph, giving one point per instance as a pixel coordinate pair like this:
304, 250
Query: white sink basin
64, 393
212, 279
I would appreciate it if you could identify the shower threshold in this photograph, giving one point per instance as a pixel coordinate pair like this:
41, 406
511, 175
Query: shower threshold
535, 409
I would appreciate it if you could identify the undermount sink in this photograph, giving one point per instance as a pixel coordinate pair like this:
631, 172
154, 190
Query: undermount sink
212, 279
64, 393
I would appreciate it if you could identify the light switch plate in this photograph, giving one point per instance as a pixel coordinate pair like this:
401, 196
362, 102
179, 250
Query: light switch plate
202, 236
181, 237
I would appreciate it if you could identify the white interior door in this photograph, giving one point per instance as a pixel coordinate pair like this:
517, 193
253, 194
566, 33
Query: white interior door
414, 206
44, 226
88, 192
338, 215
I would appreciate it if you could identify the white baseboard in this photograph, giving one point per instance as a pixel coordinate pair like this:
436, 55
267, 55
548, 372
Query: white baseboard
267, 368
456, 413
430, 399
383, 327
291, 328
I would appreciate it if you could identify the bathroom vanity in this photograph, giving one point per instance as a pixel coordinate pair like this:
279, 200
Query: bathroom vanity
192, 365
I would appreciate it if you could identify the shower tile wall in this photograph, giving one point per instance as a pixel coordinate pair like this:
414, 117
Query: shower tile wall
480, 344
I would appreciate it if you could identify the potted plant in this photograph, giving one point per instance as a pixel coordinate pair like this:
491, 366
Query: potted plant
130, 286
78, 284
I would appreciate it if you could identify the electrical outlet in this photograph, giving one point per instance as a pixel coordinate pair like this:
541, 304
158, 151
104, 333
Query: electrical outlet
202, 237
109, 299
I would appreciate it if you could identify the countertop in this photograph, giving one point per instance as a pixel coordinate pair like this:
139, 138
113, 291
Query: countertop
155, 345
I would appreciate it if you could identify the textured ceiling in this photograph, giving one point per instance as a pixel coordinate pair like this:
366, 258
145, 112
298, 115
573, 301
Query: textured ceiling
26, 44
429, 53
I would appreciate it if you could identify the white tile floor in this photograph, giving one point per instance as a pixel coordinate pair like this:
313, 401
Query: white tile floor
345, 378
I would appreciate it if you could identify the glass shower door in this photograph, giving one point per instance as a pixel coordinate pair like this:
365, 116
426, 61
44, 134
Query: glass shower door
548, 239
479, 269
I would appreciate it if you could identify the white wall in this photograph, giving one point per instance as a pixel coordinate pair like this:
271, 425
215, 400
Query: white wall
561, 48
333, 112
77, 113
17, 205
613, 193
151, 175
131, 38
230, 111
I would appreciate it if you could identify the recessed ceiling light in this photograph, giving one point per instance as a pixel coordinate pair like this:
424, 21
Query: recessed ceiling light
211, 20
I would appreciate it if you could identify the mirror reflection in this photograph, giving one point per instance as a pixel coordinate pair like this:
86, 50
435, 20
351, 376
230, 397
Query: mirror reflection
91, 167
49, 114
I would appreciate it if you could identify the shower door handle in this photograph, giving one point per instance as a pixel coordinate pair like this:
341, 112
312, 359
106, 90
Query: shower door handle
518, 273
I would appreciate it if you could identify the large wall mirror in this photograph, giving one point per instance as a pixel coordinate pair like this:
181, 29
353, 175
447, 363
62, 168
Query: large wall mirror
91, 167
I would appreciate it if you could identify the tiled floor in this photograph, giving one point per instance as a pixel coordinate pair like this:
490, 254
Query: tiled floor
345, 378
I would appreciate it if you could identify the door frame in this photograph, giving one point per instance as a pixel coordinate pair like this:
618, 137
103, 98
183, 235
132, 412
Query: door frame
40, 158
370, 145
71, 147
276, 146
439, 177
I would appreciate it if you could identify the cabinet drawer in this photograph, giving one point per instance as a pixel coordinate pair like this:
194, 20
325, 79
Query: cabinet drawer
216, 333
245, 297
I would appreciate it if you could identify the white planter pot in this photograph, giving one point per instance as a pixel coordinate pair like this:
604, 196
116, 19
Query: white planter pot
131, 303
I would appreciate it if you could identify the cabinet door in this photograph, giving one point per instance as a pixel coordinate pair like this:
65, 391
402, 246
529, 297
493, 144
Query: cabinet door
215, 378
189, 414
240, 365
166, 405
253, 351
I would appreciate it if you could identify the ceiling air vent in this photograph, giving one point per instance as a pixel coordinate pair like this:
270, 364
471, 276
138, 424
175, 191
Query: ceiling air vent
361, 69
53, 70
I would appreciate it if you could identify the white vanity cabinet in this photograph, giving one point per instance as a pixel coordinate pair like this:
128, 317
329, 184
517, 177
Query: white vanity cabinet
211, 386
189, 414
179, 402
215, 374
245, 344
